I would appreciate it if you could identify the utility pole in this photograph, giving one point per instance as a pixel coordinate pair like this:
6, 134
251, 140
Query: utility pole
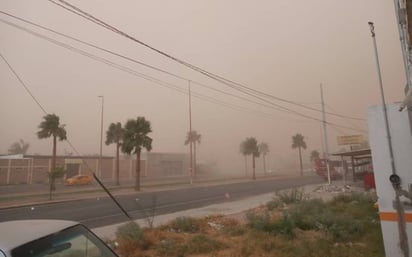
394, 178
385, 111
99, 171
403, 15
190, 136
325, 134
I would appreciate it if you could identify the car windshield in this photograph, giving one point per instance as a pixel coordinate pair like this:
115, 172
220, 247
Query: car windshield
76, 241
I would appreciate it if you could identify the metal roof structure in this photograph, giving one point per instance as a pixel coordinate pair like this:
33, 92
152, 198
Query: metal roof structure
356, 154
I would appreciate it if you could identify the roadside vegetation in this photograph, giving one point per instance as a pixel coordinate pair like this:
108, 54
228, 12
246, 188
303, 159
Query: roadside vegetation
289, 225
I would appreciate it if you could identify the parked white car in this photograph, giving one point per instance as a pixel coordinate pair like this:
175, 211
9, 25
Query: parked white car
51, 238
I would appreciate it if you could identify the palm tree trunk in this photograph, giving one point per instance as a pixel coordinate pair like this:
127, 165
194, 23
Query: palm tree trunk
137, 185
194, 159
117, 164
264, 164
253, 165
50, 189
245, 166
53, 164
53, 167
300, 160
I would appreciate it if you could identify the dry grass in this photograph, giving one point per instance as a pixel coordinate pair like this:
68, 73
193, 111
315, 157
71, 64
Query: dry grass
279, 232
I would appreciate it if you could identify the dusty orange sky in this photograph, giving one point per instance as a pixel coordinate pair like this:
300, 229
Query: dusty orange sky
283, 48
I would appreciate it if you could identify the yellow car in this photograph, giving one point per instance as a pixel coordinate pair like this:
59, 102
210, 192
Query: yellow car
79, 180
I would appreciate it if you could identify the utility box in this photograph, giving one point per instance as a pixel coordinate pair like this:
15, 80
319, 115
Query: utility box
394, 228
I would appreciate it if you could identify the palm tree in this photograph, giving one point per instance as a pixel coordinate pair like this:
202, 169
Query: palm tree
193, 137
251, 148
314, 155
51, 127
134, 139
242, 150
115, 135
53, 176
20, 147
299, 142
263, 149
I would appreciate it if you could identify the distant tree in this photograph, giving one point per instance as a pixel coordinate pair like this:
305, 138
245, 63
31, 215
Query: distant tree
51, 127
134, 139
114, 135
242, 149
314, 155
251, 148
193, 137
19, 147
299, 142
263, 149
53, 175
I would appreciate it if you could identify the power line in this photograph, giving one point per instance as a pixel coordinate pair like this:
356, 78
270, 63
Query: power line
68, 141
125, 69
23, 84
147, 77
351, 122
244, 89
131, 59
138, 62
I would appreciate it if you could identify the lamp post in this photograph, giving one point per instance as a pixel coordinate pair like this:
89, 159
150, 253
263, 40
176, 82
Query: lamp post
99, 171
190, 136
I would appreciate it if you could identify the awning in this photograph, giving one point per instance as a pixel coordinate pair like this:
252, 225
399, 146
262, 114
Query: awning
357, 154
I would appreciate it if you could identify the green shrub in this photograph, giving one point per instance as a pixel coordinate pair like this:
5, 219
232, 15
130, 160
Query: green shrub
258, 221
262, 223
131, 236
203, 244
185, 224
294, 195
284, 226
308, 214
273, 204
357, 205
345, 229
130, 231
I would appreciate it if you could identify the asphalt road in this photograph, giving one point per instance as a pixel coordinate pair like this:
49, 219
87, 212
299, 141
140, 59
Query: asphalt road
98, 212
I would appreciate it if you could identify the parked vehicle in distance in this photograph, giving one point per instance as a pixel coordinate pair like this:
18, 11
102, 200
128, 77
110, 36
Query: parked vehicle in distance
51, 238
79, 180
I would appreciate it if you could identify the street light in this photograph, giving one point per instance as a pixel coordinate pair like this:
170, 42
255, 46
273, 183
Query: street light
190, 136
99, 171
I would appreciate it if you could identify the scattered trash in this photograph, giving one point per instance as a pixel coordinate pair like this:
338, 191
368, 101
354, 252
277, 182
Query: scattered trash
336, 189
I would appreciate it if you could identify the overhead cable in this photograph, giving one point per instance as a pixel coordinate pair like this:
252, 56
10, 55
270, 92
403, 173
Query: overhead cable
244, 89
144, 76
